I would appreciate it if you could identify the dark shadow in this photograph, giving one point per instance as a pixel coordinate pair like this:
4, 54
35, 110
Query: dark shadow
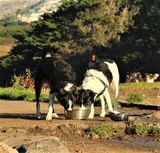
140, 106
27, 116
18, 116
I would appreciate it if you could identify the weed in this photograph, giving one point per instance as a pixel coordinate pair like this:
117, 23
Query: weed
134, 97
154, 131
143, 130
101, 130
25, 80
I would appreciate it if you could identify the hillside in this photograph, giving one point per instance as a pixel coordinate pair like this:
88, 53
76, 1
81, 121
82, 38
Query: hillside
26, 10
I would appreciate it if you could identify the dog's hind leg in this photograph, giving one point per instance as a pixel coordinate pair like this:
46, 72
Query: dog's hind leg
38, 91
103, 113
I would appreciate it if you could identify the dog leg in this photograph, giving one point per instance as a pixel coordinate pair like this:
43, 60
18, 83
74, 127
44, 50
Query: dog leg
108, 99
103, 113
38, 113
83, 107
50, 109
70, 105
54, 115
91, 115
38, 90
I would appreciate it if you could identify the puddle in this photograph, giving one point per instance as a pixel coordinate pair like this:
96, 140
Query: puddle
152, 144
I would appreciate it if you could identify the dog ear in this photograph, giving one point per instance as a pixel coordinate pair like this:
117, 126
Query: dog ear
62, 91
91, 94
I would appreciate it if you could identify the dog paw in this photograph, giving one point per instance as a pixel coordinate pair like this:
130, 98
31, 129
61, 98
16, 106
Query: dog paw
49, 117
54, 115
90, 116
38, 116
102, 115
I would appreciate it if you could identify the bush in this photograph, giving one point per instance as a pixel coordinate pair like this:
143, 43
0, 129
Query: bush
143, 130
135, 97
24, 81
101, 130
154, 131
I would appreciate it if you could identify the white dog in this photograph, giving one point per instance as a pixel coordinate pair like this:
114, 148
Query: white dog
96, 83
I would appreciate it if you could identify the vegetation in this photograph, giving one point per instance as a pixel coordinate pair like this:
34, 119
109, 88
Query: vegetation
104, 131
101, 130
78, 26
144, 130
124, 30
20, 94
7, 30
135, 97
141, 85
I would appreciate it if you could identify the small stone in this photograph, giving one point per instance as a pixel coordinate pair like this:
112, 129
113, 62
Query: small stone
4, 148
94, 136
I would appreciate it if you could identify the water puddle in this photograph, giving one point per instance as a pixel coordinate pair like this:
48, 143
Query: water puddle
152, 144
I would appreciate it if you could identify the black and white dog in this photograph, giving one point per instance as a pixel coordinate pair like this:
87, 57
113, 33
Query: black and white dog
96, 83
61, 78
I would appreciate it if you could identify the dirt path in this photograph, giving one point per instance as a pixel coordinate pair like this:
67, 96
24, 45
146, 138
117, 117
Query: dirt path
17, 118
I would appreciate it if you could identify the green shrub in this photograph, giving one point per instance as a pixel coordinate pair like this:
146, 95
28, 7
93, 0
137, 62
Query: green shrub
134, 97
141, 129
154, 131
144, 130
101, 130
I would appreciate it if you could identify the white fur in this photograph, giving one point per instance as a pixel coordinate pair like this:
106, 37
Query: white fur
68, 87
48, 55
54, 115
115, 73
92, 82
50, 108
83, 107
70, 105
91, 115
97, 74
49, 115
115, 82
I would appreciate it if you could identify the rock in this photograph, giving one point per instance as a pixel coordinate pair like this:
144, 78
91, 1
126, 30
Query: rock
4, 148
48, 146
157, 114
35, 144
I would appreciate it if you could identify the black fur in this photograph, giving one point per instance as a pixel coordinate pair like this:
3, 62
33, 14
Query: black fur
57, 73
101, 66
86, 97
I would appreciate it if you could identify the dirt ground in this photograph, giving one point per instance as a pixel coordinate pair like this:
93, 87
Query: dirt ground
17, 119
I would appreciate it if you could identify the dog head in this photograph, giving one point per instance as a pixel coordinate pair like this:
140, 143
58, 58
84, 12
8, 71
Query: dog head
67, 95
86, 97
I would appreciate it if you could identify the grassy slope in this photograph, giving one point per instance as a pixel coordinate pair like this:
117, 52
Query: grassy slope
149, 91
5, 45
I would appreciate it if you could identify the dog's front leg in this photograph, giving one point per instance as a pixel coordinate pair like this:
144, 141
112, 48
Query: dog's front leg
108, 99
91, 115
103, 112
50, 109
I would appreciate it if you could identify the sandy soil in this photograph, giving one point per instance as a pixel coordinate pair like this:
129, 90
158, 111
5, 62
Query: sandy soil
17, 118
